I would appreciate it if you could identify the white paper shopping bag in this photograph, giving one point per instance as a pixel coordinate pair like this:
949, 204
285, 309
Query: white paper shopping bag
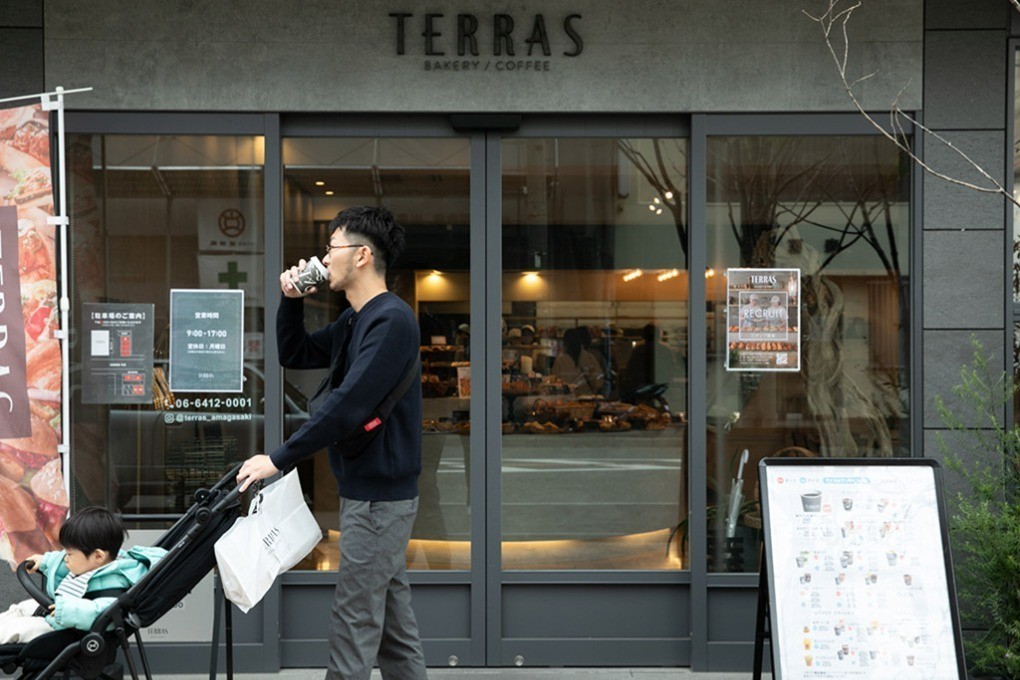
278, 532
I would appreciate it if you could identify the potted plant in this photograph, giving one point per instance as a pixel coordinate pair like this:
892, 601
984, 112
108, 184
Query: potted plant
983, 455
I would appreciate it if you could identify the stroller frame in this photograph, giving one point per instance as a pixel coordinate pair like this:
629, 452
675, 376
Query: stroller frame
89, 655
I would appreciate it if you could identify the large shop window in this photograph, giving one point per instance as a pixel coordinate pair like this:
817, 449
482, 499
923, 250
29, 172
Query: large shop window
594, 394
426, 183
151, 214
837, 209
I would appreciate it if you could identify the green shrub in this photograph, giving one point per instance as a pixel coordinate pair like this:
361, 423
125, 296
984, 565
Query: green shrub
984, 518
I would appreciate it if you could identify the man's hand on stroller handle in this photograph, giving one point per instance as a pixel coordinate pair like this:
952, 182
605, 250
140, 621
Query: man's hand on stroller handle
255, 468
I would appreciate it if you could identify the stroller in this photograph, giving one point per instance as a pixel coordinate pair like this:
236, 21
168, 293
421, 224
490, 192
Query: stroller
189, 544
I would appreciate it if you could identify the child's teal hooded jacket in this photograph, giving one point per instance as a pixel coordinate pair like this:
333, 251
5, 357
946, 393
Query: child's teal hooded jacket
76, 612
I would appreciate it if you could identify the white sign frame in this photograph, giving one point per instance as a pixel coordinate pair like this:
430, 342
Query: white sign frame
772, 342
852, 551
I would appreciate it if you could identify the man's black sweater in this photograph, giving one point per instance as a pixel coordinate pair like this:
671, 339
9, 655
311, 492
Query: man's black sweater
384, 342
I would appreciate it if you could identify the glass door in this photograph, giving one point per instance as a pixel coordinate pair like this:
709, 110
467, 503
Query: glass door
593, 310
425, 183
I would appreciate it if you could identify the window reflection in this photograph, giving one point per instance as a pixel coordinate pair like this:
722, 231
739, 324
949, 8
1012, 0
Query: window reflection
837, 209
426, 184
594, 391
146, 217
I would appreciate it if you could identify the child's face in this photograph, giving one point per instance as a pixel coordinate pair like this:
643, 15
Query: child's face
78, 562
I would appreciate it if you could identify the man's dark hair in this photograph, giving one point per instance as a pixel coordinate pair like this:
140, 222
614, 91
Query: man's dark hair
374, 227
93, 528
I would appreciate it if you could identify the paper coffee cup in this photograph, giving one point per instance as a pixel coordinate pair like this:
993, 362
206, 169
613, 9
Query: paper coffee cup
811, 501
312, 275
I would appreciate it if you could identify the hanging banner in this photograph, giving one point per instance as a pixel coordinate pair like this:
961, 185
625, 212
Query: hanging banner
33, 497
763, 319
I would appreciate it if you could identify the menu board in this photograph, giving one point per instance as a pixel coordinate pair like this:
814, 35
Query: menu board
860, 574
206, 340
763, 319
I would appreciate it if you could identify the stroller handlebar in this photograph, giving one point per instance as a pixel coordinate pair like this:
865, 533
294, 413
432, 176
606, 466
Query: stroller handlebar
30, 586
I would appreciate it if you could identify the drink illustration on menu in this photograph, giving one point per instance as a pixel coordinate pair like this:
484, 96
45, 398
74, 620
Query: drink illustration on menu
856, 555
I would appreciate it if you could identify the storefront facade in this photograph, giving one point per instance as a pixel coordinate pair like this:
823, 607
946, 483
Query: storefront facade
578, 183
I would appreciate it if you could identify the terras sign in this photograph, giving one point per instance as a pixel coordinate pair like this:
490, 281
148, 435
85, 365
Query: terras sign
463, 35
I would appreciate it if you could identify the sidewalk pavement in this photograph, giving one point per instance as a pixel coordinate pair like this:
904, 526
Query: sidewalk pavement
506, 674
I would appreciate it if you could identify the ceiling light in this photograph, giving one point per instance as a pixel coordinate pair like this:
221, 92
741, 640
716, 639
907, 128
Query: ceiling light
633, 274
329, 193
659, 211
320, 183
655, 200
669, 195
709, 272
667, 275
651, 207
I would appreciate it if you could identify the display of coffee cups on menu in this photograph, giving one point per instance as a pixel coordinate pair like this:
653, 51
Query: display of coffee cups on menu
891, 558
840, 654
811, 501
312, 275
908, 579
801, 560
848, 503
806, 578
910, 659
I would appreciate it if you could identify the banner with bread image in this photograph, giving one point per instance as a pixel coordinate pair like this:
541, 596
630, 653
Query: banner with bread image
33, 493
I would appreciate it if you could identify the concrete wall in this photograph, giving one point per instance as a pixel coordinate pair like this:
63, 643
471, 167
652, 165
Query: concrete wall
964, 242
21, 47
640, 55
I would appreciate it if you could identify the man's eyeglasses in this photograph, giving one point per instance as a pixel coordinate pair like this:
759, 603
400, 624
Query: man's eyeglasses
330, 247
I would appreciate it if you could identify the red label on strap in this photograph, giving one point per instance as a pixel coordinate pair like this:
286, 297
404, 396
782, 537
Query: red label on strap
372, 424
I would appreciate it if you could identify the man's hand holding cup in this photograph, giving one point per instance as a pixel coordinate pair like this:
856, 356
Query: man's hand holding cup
303, 279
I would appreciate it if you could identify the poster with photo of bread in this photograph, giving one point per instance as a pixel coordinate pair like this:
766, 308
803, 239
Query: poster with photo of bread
33, 492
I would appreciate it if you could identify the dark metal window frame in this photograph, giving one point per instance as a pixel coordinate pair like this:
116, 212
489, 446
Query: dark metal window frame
485, 276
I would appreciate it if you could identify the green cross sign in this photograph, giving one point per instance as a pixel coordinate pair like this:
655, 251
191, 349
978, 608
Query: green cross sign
232, 277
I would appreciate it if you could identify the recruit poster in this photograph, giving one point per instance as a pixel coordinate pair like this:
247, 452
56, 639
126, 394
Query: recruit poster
858, 574
118, 353
206, 340
33, 496
763, 319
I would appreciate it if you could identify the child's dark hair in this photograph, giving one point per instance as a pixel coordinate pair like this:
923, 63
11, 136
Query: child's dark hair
93, 528
375, 227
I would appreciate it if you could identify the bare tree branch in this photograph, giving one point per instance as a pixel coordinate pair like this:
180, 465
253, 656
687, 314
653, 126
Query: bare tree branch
837, 17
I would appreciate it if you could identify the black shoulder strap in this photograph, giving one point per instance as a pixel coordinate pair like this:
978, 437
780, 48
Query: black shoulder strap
338, 366
393, 397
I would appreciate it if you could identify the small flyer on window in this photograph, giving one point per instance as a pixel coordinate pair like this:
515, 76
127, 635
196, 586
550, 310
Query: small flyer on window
206, 340
763, 319
118, 361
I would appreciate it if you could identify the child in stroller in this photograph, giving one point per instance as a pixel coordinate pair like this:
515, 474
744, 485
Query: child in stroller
83, 579
188, 558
